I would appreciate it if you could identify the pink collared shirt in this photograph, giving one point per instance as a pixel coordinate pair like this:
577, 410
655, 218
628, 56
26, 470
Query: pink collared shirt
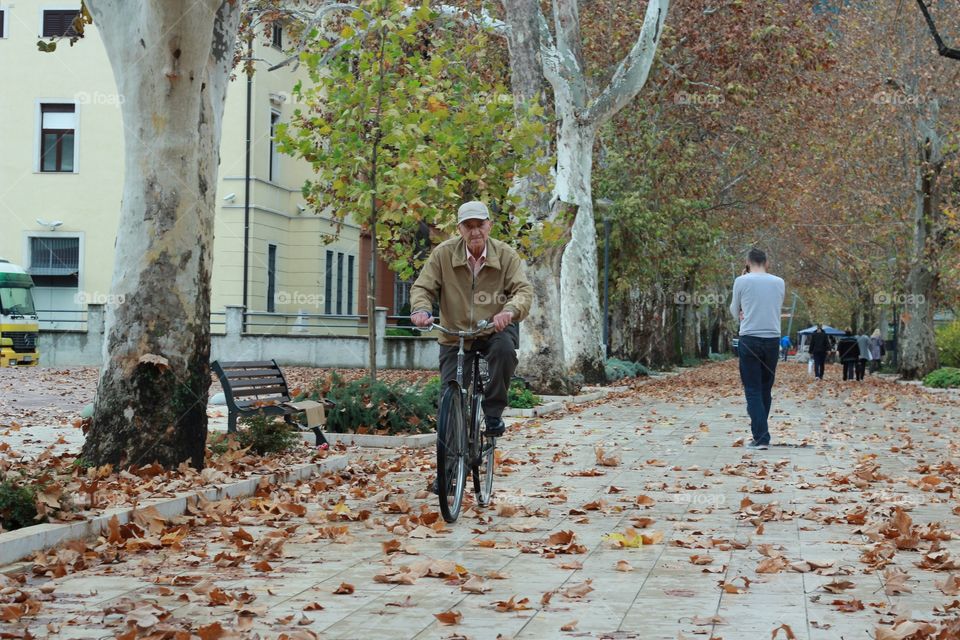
477, 263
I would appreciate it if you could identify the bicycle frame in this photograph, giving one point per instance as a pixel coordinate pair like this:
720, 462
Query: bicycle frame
473, 453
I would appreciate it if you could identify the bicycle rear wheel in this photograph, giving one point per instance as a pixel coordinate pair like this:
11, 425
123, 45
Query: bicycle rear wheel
451, 453
482, 459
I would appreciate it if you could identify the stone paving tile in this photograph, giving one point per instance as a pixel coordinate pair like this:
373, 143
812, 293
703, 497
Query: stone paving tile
677, 450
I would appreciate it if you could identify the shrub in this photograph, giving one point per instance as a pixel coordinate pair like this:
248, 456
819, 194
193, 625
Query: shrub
370, 407
948, 344
619, 369
945, 378
721, 357
18, 506
266, 434
519, 396
690, 361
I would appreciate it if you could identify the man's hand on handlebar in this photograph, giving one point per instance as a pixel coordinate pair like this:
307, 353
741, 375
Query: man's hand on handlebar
502, 320
422, 319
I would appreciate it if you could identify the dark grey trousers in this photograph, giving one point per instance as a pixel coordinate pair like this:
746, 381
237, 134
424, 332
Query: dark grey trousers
500, 351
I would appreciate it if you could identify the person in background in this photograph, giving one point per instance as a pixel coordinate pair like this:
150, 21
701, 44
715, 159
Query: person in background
849, 352
863, 346
785, 345
757, 299
876, 351
819, 348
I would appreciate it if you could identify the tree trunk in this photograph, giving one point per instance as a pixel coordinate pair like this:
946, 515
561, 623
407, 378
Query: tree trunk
541, 342
918, 349
642, 327
580, 310
171, 60
579, 118
541, 353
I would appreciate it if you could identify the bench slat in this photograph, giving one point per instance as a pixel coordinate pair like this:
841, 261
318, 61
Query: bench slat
261, 391
251, 364
233, 374
252, 405
245, 383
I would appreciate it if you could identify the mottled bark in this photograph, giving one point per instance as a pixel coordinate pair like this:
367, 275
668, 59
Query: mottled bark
171, 60
642, 327
918, 349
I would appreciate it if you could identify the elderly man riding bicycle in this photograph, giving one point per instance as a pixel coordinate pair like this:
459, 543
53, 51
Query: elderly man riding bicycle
475, 277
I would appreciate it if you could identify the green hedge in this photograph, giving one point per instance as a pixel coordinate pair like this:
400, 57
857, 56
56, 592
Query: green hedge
945, 378
948, 344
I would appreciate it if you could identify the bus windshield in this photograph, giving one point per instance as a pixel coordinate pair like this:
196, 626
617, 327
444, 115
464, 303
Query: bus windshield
16, 301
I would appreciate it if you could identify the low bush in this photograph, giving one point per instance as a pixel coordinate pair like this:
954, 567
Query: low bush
18, 504
266, 434
363, 406
618, 369
519, 396
945, 378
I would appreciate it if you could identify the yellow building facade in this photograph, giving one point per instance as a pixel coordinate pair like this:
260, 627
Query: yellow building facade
61, 180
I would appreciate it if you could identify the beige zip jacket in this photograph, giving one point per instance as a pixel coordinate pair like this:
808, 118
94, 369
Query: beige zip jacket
464, 299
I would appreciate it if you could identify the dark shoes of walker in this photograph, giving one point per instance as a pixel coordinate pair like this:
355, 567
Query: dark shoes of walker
753, 444
495, 427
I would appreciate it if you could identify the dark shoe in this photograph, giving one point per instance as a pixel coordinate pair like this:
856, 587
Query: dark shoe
754, 445
495, 428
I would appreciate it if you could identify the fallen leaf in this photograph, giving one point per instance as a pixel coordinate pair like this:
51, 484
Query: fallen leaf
449, 617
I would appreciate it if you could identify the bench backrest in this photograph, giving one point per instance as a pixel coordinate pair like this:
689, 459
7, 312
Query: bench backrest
249, 383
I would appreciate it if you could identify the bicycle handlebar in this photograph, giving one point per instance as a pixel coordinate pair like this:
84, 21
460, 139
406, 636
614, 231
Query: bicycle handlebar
482, 326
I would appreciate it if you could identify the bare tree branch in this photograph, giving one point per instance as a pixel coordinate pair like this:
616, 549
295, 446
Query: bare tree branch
632, 72
942, 49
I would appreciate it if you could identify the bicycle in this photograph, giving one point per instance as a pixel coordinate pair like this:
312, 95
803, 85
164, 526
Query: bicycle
458, 446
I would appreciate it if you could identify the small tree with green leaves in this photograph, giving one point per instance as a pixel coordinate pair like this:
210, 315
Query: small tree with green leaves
400, 126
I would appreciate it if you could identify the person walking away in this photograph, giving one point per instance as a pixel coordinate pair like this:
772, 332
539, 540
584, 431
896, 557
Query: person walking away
848, 352
757, 300
876, 351
785, 347
863, 346
819, 348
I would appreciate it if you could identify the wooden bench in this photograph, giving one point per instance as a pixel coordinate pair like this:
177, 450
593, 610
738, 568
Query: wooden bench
259, 387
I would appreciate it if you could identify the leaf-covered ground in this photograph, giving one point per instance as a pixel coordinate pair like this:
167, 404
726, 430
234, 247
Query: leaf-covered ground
639, 517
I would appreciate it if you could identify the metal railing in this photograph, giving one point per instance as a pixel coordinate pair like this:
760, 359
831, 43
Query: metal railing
62, 319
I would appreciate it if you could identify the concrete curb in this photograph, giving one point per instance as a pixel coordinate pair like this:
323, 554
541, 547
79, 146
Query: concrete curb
16, 545
417, 441
556, 403
919, 383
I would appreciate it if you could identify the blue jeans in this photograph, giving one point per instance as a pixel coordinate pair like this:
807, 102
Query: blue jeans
758, 367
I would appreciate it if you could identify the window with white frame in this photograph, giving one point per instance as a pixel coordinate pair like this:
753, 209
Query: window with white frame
58, 134
3, 22
274, 173
338, 284
276, 36
55, 261
271, 278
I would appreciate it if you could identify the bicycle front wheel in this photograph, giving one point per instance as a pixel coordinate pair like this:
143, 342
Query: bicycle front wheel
482, 459
451, 453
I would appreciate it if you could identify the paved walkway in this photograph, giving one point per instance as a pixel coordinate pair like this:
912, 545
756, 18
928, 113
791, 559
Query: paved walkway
749, 539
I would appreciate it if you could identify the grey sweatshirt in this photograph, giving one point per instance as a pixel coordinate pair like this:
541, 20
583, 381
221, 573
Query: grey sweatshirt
760, 297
